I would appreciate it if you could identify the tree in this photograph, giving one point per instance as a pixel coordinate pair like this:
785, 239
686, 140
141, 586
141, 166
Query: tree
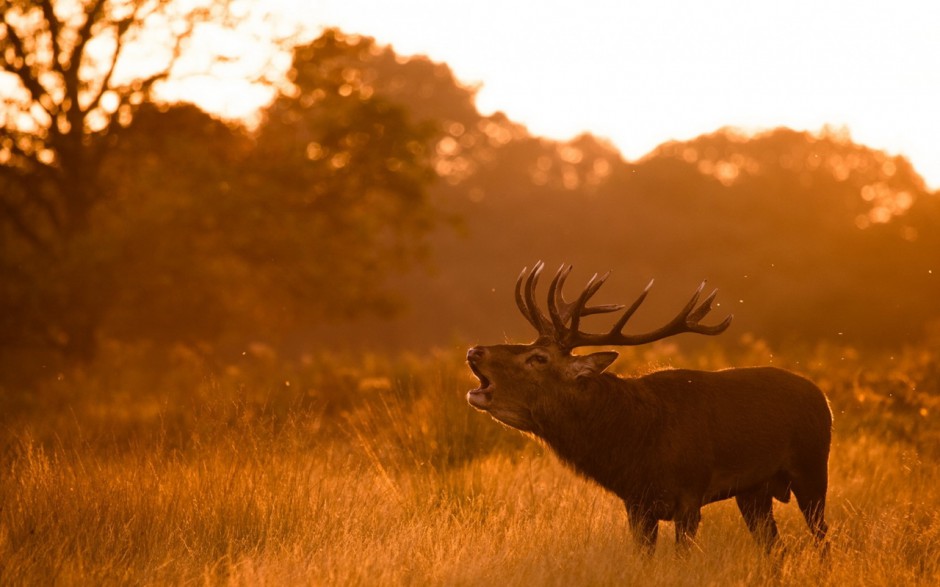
185, 229
176, 205
809, 237
222, 238
70, 78
343, 171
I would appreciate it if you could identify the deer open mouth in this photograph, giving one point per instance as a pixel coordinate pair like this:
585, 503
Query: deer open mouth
482, 395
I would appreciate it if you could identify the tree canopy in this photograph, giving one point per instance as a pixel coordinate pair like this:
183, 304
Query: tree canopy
69, 87
808, 236
128, 220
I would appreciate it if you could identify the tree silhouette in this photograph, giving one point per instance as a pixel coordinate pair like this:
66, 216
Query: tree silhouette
345, 170
809, 237
69, 83
200, 233
126, 220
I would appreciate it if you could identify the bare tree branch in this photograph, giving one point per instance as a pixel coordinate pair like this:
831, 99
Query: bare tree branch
52, 21
70, 77
19, 67
58, 148
92, 14
122, 28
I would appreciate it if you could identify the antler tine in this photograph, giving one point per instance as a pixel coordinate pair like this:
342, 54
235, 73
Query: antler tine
681, 322
530, 284
564, 318
527, 309
713, 330
525, 299
558, 309
563, 310
618, 326
602, 309
692, 320
683, 316
704, 308
687, 320
520, 302
578, 308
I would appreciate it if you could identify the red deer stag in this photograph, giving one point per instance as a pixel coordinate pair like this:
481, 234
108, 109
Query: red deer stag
666, 443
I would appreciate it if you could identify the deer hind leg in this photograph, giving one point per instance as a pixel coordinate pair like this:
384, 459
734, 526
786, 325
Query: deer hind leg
810, 492
813, 506
687, 522
644, 527
757, 508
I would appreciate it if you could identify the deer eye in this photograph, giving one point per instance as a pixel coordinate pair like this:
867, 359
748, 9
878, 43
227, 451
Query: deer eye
537, 359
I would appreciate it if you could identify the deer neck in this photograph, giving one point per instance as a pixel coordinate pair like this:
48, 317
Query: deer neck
602, 428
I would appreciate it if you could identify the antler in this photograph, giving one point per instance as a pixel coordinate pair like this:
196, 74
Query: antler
562, 324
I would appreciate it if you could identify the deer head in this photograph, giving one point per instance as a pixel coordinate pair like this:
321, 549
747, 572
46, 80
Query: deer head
515, 379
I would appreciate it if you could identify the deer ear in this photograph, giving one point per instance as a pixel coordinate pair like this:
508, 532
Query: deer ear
593, 364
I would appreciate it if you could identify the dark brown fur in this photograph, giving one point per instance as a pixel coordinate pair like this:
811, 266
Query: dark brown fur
670, 442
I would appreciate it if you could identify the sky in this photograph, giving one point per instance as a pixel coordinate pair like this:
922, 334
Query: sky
642, 73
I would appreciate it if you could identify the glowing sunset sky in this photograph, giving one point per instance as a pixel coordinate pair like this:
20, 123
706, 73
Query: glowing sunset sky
641, 73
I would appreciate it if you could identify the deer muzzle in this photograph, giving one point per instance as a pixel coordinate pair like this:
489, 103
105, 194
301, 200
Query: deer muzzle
480, 397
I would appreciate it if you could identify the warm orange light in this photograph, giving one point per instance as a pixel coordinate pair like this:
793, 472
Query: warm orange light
644, 73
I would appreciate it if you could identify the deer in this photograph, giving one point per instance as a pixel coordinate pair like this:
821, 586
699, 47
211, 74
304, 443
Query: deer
666, 443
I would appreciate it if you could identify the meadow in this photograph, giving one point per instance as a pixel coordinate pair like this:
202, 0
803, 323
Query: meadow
371, 469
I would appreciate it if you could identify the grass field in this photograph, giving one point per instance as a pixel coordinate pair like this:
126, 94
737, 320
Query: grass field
373, 470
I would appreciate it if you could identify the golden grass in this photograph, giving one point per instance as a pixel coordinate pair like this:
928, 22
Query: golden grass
374, 471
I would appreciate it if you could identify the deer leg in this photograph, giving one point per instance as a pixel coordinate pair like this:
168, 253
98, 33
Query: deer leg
810, 495
644, 528
757, 509
813, 506
687, 523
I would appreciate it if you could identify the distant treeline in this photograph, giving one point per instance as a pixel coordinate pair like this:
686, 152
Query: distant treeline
808, 237
375, 205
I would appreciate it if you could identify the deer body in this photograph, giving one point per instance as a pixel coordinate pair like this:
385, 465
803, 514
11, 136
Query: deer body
669, 442
689, 437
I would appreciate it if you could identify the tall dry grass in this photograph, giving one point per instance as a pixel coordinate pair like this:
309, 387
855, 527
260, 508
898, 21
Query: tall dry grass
372, 470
